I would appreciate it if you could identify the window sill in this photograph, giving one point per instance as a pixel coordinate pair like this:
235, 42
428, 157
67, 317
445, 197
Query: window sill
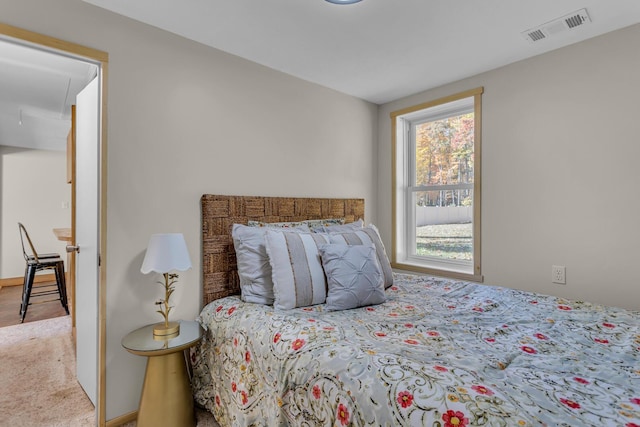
438, 272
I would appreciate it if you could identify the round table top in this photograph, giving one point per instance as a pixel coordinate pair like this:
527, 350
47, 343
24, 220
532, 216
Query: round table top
143, 343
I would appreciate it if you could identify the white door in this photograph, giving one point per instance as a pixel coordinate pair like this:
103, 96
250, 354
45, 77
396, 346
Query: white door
87, 235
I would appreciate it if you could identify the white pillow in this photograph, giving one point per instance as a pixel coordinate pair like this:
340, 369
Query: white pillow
365, 236
298, 277
354, 276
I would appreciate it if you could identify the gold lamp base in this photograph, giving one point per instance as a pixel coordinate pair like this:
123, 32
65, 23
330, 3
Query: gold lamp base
170, 330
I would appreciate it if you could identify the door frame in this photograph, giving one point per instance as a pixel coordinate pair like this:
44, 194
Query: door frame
101, 59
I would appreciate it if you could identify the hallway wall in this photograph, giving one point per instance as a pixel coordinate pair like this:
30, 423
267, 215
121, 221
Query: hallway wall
33, 188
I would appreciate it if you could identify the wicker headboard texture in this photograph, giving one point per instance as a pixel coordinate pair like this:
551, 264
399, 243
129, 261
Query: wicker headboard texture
219, 213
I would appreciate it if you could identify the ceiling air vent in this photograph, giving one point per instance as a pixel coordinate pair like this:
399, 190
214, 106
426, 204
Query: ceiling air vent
551, 28
536, 35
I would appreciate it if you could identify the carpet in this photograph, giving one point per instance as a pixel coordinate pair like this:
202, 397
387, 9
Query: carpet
38, 386
37, 377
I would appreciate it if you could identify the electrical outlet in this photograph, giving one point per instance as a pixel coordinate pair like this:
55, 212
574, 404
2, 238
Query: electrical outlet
558, 274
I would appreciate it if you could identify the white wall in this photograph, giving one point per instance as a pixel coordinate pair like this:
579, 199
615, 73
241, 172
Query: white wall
33, 188
185, 120
560, 171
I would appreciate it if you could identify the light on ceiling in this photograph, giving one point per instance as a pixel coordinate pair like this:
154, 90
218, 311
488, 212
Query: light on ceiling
343, 1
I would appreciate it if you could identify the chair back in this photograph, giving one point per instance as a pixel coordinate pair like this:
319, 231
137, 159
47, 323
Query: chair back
23, 235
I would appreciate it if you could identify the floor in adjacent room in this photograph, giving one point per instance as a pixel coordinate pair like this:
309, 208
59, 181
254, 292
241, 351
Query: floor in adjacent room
10, 299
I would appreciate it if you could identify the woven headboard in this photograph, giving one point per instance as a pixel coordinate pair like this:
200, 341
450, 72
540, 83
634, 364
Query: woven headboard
219, 213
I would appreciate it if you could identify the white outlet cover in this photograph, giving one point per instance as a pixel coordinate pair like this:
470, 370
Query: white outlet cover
558, 274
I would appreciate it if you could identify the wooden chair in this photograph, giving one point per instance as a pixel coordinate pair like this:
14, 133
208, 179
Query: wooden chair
36, 262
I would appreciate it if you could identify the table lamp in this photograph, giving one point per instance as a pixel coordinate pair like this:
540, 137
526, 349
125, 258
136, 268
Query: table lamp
166, 252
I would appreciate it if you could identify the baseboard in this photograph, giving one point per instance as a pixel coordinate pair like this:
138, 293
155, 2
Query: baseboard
122, 419
18, 281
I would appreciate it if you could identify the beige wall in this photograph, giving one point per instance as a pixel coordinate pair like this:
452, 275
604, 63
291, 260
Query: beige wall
33, 188
560, 169
185, 120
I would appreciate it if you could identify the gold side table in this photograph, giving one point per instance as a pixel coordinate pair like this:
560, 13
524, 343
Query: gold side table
166, 398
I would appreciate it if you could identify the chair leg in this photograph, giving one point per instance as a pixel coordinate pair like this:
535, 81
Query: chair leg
62, 285
26, 292
24, 288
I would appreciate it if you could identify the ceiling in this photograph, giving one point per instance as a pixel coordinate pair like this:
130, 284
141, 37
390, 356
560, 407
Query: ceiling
37, 89
377, 50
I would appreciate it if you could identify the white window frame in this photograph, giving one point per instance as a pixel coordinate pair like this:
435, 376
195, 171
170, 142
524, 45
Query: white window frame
403, 215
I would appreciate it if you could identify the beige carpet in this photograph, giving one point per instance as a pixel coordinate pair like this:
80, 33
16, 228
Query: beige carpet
37, 377
38, 386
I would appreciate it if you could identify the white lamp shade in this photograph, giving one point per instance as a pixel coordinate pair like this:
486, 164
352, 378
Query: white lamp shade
166, 252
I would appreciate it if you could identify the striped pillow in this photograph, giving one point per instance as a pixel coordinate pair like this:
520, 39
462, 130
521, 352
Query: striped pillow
365, 236
298, 277
254, 270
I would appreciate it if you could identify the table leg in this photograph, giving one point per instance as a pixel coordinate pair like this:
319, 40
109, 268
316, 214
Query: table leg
166, 394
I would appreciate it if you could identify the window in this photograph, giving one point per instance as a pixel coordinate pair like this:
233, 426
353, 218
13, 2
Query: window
436, 186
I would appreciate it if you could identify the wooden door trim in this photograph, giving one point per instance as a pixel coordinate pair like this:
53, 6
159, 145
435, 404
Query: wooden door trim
72, 255
101, 59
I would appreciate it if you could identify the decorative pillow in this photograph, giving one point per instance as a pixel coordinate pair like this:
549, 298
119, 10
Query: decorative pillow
311, 223
365, 236
298, 278
254, 269
339, 228
353, 275
298, 226
324, 222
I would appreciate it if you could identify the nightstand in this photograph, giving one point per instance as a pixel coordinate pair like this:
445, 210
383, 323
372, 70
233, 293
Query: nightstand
166, 398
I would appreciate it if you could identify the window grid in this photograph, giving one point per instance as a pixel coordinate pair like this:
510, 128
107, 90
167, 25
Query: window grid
407, 188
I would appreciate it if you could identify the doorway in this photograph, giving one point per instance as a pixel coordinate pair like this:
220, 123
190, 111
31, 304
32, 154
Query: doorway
93, 252
37, 92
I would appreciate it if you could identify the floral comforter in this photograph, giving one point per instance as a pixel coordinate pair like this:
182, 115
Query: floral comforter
439, 353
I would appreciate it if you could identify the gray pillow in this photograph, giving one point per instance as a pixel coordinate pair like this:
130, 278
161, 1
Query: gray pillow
337, 228
354, 276
254, 270
365, 236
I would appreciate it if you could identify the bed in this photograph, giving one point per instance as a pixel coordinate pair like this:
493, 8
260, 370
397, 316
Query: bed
437, 352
